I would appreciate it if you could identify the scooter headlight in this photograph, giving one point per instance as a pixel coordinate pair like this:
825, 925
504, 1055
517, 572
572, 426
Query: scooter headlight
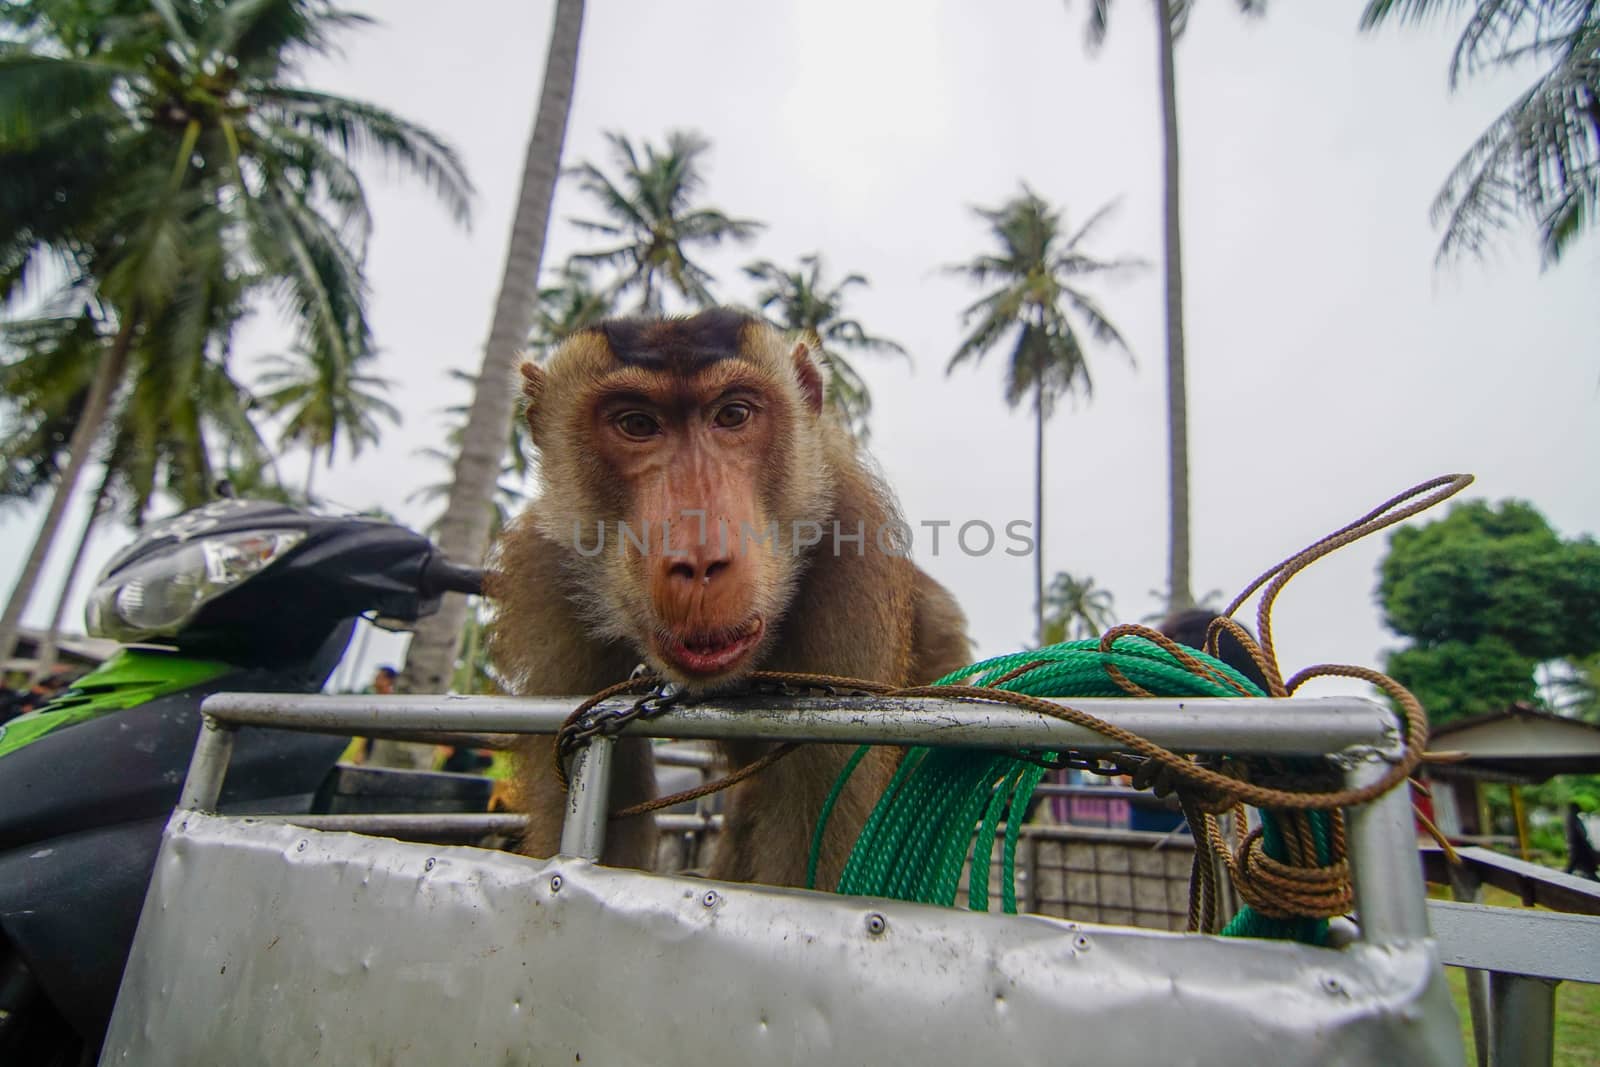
157, 597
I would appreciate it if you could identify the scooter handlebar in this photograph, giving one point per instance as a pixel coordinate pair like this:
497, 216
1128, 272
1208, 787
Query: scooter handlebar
439, 575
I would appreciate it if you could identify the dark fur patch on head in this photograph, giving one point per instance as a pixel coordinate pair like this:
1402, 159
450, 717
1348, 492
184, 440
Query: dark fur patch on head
682, 345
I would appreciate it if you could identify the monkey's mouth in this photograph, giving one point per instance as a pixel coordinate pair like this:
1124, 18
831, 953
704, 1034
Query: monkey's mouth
713, 652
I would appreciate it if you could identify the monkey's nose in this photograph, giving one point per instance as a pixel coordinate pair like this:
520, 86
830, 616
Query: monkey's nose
698, 569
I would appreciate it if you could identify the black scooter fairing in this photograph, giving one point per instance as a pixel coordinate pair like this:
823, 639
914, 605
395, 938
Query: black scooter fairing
70, 907
131, 764
81, 815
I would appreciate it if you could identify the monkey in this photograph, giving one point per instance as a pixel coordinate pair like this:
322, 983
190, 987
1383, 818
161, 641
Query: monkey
1188, 627
746, 530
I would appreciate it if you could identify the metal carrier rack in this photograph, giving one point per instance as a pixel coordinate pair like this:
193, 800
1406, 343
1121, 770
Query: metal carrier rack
265, 941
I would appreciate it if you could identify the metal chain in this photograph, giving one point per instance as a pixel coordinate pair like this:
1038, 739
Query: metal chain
591, 719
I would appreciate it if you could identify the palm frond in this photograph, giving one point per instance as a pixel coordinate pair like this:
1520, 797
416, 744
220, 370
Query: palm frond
361, 129
38, 92
264, 36
316, 275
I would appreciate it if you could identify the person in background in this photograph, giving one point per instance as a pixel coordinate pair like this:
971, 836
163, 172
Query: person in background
1581, 858
360, 750
383, 681
401, 755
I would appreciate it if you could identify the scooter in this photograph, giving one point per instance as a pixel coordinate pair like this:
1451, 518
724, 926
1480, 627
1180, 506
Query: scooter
237, 595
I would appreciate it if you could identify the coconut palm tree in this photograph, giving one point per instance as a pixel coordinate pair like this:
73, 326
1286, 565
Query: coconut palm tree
566, 305
167, 434
46, 367
508, 496
464, 529
320, 400
1541, 156
570, 303
173, 444
154, 149
653, 219
1036, 269
800, 300
1171, 17
1075, 609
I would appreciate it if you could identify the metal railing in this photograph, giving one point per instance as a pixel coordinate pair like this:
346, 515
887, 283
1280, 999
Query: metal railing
1360, 737
1514, 957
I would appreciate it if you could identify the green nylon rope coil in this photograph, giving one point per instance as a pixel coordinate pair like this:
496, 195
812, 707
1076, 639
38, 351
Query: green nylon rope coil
920, 836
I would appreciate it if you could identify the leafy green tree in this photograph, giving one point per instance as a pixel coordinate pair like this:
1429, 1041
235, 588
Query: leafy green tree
1171, 18
654, 219
156, 151
1036, 269
1486, 595
1540, 156
800, 300
321, 400
1075, 608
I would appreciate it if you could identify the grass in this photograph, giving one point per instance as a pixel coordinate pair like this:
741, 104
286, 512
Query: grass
1577, 1004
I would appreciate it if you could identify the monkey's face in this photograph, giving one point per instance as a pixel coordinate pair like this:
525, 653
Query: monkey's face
684, 472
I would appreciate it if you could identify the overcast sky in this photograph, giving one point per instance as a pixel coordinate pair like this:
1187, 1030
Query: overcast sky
1330, 363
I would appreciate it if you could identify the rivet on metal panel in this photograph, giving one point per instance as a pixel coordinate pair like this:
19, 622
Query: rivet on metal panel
1081, 943
710, 899
555, 883
876, 924
429, 865
301, 847
1333, 987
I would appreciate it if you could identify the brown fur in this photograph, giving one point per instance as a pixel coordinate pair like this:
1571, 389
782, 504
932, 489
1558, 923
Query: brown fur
569, 624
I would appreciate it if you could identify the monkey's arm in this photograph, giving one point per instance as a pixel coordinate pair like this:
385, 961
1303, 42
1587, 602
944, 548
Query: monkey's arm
939, 643
542, 648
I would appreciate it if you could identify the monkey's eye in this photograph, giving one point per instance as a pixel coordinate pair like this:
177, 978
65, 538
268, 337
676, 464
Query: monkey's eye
637, 425
732, 416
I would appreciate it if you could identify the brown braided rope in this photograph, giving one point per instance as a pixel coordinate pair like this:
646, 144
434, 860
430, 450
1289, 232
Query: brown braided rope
749, 770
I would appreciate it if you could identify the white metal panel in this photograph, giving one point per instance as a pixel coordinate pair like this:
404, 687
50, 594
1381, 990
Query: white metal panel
267, 943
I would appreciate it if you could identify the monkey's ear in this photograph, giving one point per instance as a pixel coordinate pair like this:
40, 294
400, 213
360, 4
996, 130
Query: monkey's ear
533, 390
805, 368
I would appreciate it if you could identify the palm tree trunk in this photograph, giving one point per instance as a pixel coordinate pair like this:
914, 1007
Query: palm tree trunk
311, 471
464, 530
1038, 506
1179, 595
47, 650
108, 376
